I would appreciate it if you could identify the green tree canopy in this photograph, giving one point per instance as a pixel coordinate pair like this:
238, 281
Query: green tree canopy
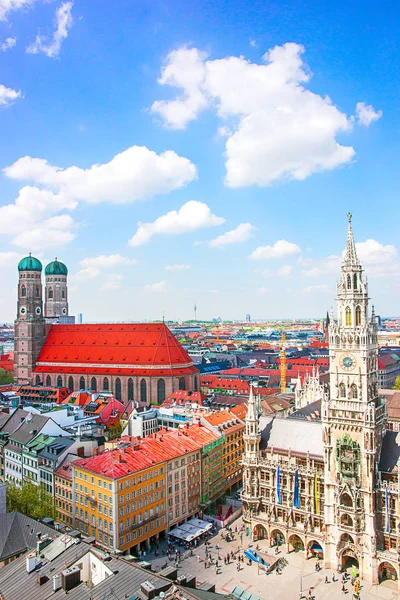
396, 383
31, 500
6, 377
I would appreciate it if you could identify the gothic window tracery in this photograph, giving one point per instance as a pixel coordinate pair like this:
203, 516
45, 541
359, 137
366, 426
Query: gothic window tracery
342, 390
348, 282
355, 282
23, 291
37, 293
348, 316
50, 293
358, 316
353, 391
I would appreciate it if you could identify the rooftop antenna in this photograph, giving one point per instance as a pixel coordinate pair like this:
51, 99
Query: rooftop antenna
195, 312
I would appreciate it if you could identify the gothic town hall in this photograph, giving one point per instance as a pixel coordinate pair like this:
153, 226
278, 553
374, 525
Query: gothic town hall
330, 486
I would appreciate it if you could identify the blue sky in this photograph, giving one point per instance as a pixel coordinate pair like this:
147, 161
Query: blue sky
264, 121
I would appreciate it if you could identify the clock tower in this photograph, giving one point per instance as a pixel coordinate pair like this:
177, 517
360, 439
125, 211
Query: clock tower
354, 420
29, 324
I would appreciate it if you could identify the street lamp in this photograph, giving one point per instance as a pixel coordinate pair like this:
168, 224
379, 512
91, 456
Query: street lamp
301, 584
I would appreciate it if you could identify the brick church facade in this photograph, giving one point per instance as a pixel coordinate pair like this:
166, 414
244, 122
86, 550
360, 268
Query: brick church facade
136, 361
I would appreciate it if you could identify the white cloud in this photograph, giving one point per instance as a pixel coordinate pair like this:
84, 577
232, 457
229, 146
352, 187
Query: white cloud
285, 271
280, 130
280, 249
135, 174
317, 289
366, 114
177, 267
184, 70
7, 6
8, 95
8, 44
321, 267
253, 44
55, 231
92, 267
159, 287
63, 22
112, 281
191, 216
9, 259
372, 252
242, 233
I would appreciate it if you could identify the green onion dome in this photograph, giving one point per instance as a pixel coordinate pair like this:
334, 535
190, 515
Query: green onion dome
56, 268
29, 263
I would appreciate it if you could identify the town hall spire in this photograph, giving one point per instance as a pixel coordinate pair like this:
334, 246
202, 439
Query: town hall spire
350, 258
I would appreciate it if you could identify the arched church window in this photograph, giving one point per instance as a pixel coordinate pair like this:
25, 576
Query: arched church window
160, 391
63, 294
37, 379
50, 293
105, 384
182, 385
82, 383
130, 389
195, 385
348, 282
355, 282
70, 383
348, 316
118, 388
93, 384
353, 391
358, 315
59, 381
342, 390
143, 391
23, 291
48, 381
37, 293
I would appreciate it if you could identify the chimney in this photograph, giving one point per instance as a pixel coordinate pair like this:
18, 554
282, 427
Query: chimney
30, 562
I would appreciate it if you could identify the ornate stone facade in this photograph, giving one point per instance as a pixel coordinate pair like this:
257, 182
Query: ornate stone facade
331, 487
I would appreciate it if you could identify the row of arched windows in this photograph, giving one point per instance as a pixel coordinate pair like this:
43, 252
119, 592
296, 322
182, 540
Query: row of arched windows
50, 294
349, 316
355, 282
118, 392
23, 292
353, 391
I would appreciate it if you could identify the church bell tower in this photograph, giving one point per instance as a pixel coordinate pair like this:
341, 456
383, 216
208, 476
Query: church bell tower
354, 421
29, 324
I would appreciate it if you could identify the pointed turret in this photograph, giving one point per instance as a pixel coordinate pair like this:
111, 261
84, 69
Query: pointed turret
252, 412
350, 258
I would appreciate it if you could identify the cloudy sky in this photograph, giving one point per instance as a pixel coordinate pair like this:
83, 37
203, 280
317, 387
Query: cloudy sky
171, 152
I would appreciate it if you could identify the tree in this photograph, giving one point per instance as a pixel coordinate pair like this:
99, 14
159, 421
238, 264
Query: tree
396, 383
31, 500
5, 377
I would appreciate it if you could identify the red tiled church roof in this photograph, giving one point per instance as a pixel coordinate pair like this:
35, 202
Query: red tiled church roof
124, 349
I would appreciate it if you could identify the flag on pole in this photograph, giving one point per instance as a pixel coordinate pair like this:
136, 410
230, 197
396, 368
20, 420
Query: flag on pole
387, 523
296, 497
278, 486
316, 499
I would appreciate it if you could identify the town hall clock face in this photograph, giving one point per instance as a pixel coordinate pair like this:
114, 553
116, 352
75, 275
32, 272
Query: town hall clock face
347, 362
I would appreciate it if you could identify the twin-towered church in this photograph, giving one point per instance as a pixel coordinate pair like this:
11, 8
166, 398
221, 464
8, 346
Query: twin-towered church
136, 361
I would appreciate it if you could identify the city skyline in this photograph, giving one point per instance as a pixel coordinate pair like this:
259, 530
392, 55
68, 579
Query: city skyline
173, 163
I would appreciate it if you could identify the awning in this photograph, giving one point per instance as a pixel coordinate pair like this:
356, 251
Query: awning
316, 548
200, 523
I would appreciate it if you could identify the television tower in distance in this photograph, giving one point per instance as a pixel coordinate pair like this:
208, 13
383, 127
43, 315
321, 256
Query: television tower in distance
195, 312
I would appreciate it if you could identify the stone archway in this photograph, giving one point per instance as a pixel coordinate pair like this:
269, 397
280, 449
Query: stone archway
387, 572
349, 559
259, 533
277, 537
315, 549
296, 542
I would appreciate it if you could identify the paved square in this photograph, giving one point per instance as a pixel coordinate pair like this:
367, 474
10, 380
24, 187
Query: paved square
297, 576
